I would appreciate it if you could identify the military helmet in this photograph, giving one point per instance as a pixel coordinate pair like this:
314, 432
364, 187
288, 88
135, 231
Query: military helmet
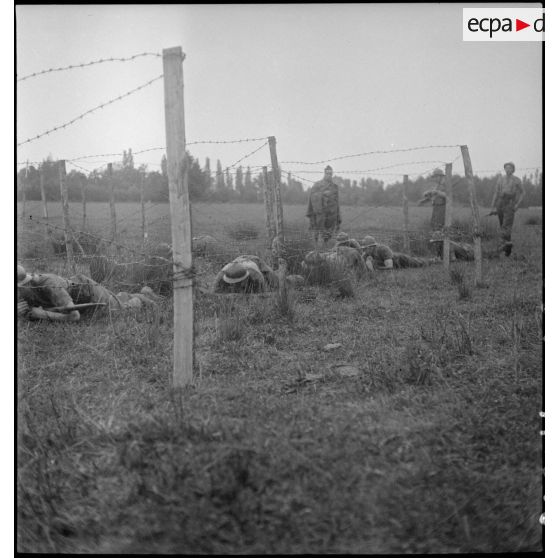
22, 276
437, 172
342, 237
368, 241
510, 164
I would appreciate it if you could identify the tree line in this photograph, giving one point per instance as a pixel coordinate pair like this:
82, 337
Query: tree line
242, 185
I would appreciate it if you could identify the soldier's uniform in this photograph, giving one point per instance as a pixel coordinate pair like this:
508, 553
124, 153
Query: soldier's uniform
507, 196
458, 250
343, 239
401, 260
245, 274
438, 201
383, 257
323, 209
47, 290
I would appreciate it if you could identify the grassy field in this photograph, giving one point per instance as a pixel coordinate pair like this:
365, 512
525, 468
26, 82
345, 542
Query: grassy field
418, 431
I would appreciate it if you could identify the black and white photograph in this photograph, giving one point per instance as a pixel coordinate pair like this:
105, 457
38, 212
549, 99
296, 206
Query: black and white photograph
279, 278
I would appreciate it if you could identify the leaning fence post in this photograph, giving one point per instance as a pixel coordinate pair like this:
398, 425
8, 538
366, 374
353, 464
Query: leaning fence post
276, 177
66, 214
23, 192
43, 198
475, 211
270, 222
406, 241
447, 221
180, 217
111, 203
142, 202
84, 204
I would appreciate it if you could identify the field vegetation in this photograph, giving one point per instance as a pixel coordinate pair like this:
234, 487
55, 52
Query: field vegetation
401, 419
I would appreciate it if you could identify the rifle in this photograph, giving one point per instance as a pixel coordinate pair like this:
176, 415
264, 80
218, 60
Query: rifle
76, 307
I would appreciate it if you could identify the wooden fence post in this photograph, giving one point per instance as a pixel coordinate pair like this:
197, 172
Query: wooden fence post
66, 214
23, 193
447, 223
43, 198
270, 221
111, 203
142, 202
180, 217
276, 176
406, 241
84, 204
475, 211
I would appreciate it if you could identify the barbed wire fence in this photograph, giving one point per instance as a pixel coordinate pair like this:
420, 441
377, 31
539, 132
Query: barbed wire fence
113, 245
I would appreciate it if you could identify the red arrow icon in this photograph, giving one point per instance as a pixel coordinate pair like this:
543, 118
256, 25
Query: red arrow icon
519, 25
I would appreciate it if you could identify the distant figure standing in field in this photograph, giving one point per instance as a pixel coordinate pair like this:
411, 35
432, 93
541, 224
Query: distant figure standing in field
438, 200
47, 296
508, 195
323, 207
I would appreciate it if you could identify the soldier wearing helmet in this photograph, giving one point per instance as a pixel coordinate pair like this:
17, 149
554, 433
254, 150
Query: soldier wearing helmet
47, 296
507, 197
323, 207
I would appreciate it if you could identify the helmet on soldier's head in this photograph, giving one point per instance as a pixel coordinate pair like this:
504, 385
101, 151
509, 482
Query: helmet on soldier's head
342, 237
368, 241
509, 163
437, 172
22, 276
328, 168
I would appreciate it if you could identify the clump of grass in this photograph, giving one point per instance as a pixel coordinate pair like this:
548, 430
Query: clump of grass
229, 322
464, 290
283, 300
457, 274
421, 363
244, 230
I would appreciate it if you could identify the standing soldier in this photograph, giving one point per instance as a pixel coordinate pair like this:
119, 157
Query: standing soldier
507, 197
438, 200
323, 207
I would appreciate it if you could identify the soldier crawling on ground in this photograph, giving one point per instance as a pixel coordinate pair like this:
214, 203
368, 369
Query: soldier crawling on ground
342, 239
323, 208
47, 296
250, 274
381, 256
458, 250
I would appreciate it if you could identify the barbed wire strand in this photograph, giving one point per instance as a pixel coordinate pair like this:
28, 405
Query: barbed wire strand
61, 126
370, 170
368, 153
85, 64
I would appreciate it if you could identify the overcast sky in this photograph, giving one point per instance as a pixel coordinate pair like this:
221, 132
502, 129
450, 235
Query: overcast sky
326, 80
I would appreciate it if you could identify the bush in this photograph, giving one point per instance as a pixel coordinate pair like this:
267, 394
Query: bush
533, 220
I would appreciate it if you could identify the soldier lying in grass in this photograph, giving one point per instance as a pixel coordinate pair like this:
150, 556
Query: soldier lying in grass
47, 296
381, 256
343, 257
343, 239
249, 274
458, 250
